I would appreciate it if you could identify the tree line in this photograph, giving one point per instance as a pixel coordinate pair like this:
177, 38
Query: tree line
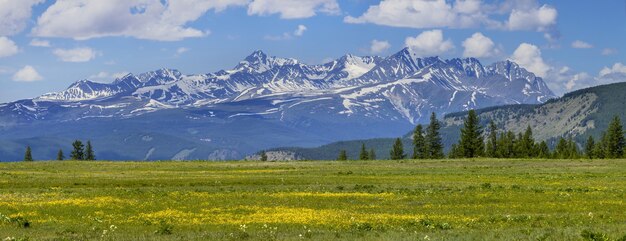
79, 152
473, 142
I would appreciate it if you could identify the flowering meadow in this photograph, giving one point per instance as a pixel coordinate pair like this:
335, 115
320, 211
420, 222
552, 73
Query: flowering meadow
460, 199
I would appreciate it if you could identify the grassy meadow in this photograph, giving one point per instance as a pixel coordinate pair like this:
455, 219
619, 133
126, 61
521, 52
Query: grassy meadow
318, 200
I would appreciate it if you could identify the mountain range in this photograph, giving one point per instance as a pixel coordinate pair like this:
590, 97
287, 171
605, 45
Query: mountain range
262, 102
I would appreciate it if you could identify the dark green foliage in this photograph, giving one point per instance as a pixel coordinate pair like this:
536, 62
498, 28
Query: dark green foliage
615, 139
491, 149
526, 144
372, 154
419, 143
397, 151
263, 156
89, 154
342, 155
506, 145
60, 155
363, 155
594, 236
566, 149
28, 156
455, 151
78, 151
471, 143
543, 151
590, 147
434, 146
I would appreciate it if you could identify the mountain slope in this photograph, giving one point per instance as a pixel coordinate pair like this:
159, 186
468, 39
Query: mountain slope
577, 114
262, 102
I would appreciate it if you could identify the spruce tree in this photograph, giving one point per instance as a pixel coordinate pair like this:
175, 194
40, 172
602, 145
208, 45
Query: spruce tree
527, 144
77, 152
590, 146
397, 151
363, 155
419, 143
28, 156
599, 151
372, 154
543, 151
506, 145
434, 146
562, 149
263, 156
471, 143
573, 152
60, 155
342, 155
615, 139
89, 154
492, 141
455, 151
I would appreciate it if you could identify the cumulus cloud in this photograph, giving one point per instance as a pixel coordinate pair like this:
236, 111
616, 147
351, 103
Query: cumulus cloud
7, 47
480, 46
142, 19
379, 46
40, 43
292, 9
300, 30
75, 55
566, 79
529, 57
287, 36
617, 68
578, 44
429, 43
27, 74
14, 15
522, 15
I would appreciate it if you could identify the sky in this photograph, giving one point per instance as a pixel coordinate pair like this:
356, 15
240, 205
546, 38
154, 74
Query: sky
46, 45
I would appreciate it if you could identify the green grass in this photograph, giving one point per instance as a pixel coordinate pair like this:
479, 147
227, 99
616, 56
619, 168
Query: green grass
321, 200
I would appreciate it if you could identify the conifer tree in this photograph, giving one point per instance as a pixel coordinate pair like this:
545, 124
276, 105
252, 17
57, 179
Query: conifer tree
263, 156
28, 156
527, 144
506, 145
342, 155
615, 139
78, 151
562, 149
419, 143
471, 143
372, 154
434, 146
599, 151
455, 151
363, 155
492, 141
89, 154
60, 155
397, 151
590, 146
543, 151
572, 149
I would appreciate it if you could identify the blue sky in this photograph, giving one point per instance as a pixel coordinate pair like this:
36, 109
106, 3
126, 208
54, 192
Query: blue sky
47, 45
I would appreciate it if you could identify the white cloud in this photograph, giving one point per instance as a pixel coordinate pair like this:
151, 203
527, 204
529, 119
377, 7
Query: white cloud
142, 19
291, 9
14, 14
429, 43
40, 43
27, 74
578, 44
75, 55
7, 47
300, 30
480, 46
182, 50
609, 51
617, 68
287, 36
522, 15
529, 57
379, 46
